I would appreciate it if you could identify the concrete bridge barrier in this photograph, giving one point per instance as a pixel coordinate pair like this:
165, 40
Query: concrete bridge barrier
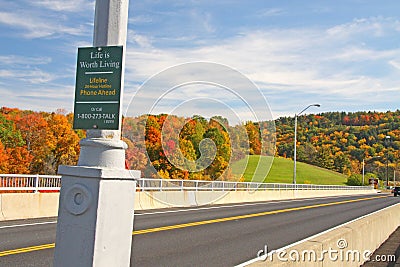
2, 218
350, 244
28, 205
360, 236
165, 199
35, 205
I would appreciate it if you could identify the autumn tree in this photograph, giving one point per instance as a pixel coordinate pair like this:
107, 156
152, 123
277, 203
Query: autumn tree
34, 131
62, 142
221, 149
253, 132
3, 159
10, 136
13, 146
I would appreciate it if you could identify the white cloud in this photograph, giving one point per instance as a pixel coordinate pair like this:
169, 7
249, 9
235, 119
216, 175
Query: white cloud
200, 88
350, 64
137, 39
38, 28
201, 21
271, 12
10, 60
66, 6
375, 26
140, 19
33, 76
336, 68
356, 53
395, 64
49, 98
207, 23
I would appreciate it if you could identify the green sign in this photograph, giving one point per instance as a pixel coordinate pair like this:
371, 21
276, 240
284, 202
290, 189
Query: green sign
98, 88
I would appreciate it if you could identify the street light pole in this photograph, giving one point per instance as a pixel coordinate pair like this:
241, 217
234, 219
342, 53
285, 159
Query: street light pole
295, 153
96, 201
363, 171
295, 138
387, 162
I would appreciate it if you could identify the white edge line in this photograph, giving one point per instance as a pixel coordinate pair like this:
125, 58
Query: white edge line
27, 224
311, 237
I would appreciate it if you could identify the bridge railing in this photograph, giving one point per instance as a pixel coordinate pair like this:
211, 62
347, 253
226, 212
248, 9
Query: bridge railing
150, 184
26, 182
39, 183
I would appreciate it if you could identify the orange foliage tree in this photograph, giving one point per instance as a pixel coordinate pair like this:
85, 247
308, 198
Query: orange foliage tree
36, 142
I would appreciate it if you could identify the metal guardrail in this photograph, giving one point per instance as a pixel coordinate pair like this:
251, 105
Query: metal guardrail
149, 184
37, 183
26, 182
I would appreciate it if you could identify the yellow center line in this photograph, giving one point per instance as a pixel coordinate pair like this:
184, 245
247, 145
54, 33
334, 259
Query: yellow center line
184, 225
239, 217
28, 249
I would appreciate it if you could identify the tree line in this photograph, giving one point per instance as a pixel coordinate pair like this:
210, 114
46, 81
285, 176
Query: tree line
37, 142
175, 147
342, 141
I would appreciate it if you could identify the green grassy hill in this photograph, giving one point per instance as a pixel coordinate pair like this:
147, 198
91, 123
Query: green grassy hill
282, 171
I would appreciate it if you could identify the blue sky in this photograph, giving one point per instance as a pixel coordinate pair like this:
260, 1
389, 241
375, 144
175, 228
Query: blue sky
344, 55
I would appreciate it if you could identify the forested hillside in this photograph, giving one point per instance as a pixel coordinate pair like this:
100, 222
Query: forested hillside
198, 148
341, 141
189, 148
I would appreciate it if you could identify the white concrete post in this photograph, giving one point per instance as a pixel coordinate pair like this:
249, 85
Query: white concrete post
95, 217
37, 183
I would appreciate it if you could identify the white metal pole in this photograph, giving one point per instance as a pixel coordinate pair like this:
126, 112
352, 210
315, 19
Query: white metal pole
295, 153
394, 177
295, 138
363, 173
37, 183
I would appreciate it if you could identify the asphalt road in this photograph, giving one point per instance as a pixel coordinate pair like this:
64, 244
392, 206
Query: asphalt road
224, 235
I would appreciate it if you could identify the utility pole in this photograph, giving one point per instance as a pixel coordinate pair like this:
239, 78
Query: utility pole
394, 173
295, 140
387, 139
363, 171
96, 210
295, 150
